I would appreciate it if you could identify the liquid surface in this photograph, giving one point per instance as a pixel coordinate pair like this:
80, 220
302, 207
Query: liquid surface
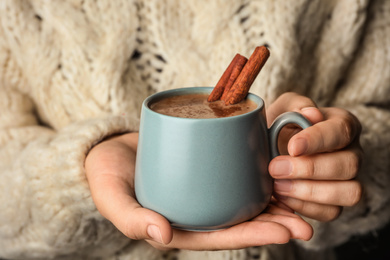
197, 106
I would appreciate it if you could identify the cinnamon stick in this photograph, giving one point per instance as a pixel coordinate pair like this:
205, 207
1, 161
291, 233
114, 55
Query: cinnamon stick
223, 81
244, 81
241, 61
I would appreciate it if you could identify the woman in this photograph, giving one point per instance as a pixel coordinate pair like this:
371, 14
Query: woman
74, 74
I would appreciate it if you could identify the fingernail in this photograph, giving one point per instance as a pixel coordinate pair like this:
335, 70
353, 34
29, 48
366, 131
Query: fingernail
299, 147
308, 108
309, 111
281, 168
154, 233
282, 186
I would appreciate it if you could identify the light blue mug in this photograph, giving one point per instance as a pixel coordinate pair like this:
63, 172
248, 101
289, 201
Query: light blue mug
206, 174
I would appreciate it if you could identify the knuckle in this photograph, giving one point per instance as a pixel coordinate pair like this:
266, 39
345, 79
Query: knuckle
349, 126
305, 102
299, 100
354, 164
355, 193
159, 246
321, 141
303, 207
133, 228
356, 123
287, 95
333, 212
303, 167
346, 130
128, 230
312, 191
324, 213
309, 169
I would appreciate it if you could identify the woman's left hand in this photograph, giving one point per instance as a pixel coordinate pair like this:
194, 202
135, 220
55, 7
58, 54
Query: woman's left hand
317, 177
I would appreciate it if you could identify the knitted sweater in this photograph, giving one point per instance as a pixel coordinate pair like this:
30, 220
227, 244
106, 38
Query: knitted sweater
73, 72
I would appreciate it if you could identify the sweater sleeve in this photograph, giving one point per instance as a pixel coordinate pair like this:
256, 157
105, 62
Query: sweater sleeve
46, 206
46, 209
366, 93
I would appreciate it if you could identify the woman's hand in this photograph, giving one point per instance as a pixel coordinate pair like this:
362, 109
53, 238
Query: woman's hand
316, 179
110, 168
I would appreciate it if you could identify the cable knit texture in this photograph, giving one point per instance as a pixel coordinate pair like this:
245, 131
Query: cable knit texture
74, 72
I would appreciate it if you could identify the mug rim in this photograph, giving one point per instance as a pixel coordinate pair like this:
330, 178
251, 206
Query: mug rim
193, 90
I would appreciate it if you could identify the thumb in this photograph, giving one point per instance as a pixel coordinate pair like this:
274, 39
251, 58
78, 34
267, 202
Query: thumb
119, 206
134, 221
298, 144
140, 223
109, 169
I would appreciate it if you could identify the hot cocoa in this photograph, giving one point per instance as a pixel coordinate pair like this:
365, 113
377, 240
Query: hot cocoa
197, 106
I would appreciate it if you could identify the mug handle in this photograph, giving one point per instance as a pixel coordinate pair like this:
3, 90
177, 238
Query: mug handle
279, 123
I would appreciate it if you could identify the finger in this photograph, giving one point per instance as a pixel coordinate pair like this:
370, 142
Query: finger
248, 234
298, 228
293, 102
312, 210
337, 131
340, 165
339, 193
276, 226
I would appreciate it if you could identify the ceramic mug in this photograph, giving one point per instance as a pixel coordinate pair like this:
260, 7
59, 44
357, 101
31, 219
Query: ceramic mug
206, 174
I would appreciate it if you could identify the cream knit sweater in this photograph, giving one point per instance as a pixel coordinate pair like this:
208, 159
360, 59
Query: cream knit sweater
73, 72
